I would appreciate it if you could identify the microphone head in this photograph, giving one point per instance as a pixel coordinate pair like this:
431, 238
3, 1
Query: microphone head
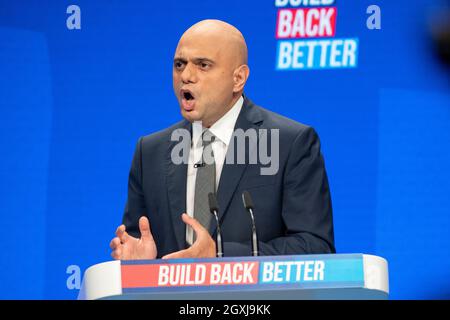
247, 199
212, 200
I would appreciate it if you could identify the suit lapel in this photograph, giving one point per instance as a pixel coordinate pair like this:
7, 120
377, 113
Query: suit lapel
249, 117
176, 188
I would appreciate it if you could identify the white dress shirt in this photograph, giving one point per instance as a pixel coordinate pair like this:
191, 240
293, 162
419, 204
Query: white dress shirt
223, 130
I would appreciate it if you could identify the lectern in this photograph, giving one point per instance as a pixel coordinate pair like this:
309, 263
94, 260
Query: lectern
329, 276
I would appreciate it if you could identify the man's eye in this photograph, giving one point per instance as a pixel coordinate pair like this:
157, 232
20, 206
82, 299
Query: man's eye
205, 65
178, 65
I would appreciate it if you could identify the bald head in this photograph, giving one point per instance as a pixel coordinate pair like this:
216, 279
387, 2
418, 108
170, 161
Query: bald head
221, 34
210, 70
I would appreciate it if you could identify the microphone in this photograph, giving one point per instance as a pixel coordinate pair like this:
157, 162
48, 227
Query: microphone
248, 204
199, 165
214, 208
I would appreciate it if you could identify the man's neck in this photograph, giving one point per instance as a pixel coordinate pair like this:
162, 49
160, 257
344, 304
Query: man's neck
231, 104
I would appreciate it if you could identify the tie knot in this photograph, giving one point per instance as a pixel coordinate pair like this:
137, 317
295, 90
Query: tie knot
207, 137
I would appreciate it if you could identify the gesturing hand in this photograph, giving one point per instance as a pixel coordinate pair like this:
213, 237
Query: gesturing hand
126, 247
203, 247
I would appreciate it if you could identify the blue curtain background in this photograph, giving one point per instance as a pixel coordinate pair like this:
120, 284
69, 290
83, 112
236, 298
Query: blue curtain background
74, 102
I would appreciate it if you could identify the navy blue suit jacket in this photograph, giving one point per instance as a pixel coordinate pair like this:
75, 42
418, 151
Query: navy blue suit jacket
293, 211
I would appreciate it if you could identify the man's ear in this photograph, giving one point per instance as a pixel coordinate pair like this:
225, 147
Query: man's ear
240, 77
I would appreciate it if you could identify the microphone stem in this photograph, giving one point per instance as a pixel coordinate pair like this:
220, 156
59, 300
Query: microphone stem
255, 251
218, 237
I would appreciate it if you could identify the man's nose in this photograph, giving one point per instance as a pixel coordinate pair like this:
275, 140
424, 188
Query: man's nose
188, 75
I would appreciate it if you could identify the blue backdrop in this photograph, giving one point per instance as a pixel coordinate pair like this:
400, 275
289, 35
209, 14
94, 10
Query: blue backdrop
74, 102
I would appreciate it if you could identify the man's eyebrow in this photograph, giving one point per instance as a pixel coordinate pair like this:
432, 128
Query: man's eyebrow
202, 59
179, 60
195, 60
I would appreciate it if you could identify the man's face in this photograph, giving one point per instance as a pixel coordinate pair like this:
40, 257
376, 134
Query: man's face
203, 78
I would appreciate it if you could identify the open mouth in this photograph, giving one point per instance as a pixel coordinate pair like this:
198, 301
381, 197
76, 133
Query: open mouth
188, 96
187, 100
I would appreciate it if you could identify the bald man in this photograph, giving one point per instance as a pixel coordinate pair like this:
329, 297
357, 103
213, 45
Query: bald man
164, 215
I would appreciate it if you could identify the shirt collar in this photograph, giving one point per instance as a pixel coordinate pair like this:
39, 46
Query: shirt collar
222, 128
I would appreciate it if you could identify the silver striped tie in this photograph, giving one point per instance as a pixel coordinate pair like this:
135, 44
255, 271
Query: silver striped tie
205, 181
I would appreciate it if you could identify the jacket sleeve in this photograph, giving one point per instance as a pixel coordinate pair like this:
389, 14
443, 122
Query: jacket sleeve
135, 205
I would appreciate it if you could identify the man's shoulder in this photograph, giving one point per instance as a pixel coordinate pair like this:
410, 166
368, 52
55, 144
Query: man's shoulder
288, 127
167, 132
163, 136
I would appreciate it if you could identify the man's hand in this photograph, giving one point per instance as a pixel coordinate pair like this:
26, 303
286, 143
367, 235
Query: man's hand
126, 247
203, 247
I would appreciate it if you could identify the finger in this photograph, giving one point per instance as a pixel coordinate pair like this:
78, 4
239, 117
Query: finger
120, 229
114, 243
197, 226
144, 227
116, 254
122, 234
177, 255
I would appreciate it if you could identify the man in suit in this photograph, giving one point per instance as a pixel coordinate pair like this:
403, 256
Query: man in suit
292, 204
